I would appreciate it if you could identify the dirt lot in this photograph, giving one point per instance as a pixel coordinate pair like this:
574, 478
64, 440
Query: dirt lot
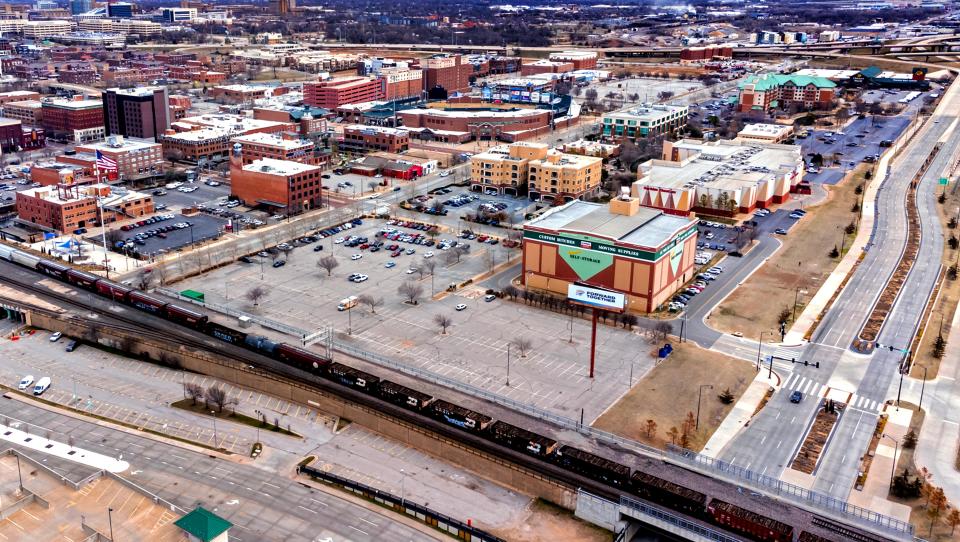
803, 262
545, 522
949, 295
669, 391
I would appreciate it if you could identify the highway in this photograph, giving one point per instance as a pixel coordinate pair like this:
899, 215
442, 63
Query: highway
772, 438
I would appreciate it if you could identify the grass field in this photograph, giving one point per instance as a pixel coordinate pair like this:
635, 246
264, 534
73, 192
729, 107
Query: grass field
803, 263
669, 392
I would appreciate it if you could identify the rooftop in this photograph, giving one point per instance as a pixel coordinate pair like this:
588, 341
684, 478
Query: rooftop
768, 81
279, 167
375, 129
74, 104
203, 524
230, 123
475, 113
141, 92
648, 228
765, 130
9, 122
203, 134
276, 140
34, 104
648, 111
118, 144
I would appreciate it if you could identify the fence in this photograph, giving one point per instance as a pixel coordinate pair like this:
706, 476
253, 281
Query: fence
842, 510
454, 527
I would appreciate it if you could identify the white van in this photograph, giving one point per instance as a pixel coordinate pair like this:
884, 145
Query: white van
42, 385
348, 303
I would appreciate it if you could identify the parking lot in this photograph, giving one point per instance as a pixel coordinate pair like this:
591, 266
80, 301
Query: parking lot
860, 140
167, 232
175, 199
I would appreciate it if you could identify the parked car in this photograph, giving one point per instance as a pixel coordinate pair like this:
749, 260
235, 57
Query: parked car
279, 263
25, 382
56, 337
460, 307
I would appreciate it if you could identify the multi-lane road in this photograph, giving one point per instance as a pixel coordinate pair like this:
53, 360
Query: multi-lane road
772, 439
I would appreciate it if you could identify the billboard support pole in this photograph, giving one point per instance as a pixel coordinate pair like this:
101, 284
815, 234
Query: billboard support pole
593, 341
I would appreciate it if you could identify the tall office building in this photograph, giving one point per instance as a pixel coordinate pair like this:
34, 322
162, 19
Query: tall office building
78, 7
136, 112
120, 10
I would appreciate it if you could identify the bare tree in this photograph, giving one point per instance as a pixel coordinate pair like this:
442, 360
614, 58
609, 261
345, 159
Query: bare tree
371, 301
372, 185
450, 257
328, 264
255, 294
144, 279
523, 344
428, 265
664, 329
216, 397
194, 392
443, 321
411, 291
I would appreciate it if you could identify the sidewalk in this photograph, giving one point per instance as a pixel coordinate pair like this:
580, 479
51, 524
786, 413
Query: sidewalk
873, 496
741, 414
831, 286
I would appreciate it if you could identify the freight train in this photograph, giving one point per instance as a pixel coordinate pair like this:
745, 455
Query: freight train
657, 490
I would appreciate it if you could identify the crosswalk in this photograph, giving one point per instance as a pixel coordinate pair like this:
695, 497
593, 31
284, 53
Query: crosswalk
811, 388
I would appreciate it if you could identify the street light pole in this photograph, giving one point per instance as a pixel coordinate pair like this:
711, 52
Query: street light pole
403, 480
923, 383
215, 439
796, 298
508, 364
699, 395
896, 449
759, 347
110, 520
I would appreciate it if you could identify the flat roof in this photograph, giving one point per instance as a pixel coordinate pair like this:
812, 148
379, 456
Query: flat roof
475, 113
261, 138
74, 104
129, 144
229, 122
765, 130
7, 122
141, 92
647, 111
649, 228
726, 163
203, 134
279, 167
33, 104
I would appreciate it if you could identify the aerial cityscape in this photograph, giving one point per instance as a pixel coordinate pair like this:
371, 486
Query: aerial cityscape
327, 270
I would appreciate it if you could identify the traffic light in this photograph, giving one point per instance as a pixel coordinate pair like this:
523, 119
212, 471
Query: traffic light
891, 348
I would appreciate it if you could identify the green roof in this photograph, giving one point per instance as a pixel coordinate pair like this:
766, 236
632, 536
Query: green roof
768, 81
203, 524
871, 72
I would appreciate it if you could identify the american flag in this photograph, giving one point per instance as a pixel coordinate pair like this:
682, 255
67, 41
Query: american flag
105, 162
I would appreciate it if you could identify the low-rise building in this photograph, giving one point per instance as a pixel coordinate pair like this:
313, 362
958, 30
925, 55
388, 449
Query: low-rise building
135, 158
765, 133
28, 111
359, 138
17, 96
67, 207
14, 136
238, 94
76, 120
559, 177
336, 92
545, 66
505, 168
779, 91
279, 147
720, 177
644, 121
581, 60
277, 185
644, 254
40, 30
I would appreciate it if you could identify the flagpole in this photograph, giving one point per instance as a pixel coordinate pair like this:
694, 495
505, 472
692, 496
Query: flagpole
103, 221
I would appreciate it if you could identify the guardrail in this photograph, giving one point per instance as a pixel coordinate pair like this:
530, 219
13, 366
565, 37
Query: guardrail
675, 520
453, 527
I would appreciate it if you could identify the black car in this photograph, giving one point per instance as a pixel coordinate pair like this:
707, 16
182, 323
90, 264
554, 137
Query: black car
279, 263
318, 248
72, 345
246, 259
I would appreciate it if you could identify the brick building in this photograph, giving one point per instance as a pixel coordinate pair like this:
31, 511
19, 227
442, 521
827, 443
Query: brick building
136, 158
581, 60
78, 74
76, 120
279, 147
449, 71
334, 93
545, 66
29, 111
279, 185
14, 136
138, 112
359, 138
238, 94
459, 126
400, 83
777, 91
207, 137
64, 208
17, 96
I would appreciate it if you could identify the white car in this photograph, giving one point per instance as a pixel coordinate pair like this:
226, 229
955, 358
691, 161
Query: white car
356, 256
360, 278
411, 271
428, 254
338, 240
25, 382
55, 337
460, 307
444, 173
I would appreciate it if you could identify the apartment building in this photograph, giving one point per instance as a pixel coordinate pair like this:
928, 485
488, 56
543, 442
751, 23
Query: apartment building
28, 111
448, 71
560, 177
505, 168
77, 120
779, 91
277, 185
284, 146
359, 138
135, 158
644, 121
581, 60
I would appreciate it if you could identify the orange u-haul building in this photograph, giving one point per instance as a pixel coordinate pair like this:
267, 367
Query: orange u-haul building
643, 253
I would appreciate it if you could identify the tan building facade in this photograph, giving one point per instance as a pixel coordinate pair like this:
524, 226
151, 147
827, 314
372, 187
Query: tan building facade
560, 177
505, 168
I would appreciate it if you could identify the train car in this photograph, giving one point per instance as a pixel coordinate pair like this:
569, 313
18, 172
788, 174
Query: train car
226, 334
114, 291
24, 259
186, 317
673, 496
521, 440
355, 378
82, 279
810, 537
404, 396
260, 344
147, 303
54, 269
301, 358
750, 524
6, 252
456, 415
593, 466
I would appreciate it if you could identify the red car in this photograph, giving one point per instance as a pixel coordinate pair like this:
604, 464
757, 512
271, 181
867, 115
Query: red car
364, 246
395, 254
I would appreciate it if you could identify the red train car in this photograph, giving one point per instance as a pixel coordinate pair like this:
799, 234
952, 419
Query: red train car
301, 358
751, 524
185, 317
113, 290
147, 303
82, 279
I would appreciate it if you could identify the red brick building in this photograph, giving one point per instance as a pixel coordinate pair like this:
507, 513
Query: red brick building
581, 60
400, 83
17, 96
693, 55
334, 93
64, 208
76, 120
358, 138
459, 126
279, 147
451, 72
14, 136
546, 66
279, 185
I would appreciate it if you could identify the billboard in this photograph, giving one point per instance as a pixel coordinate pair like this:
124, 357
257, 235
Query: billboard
595, 297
